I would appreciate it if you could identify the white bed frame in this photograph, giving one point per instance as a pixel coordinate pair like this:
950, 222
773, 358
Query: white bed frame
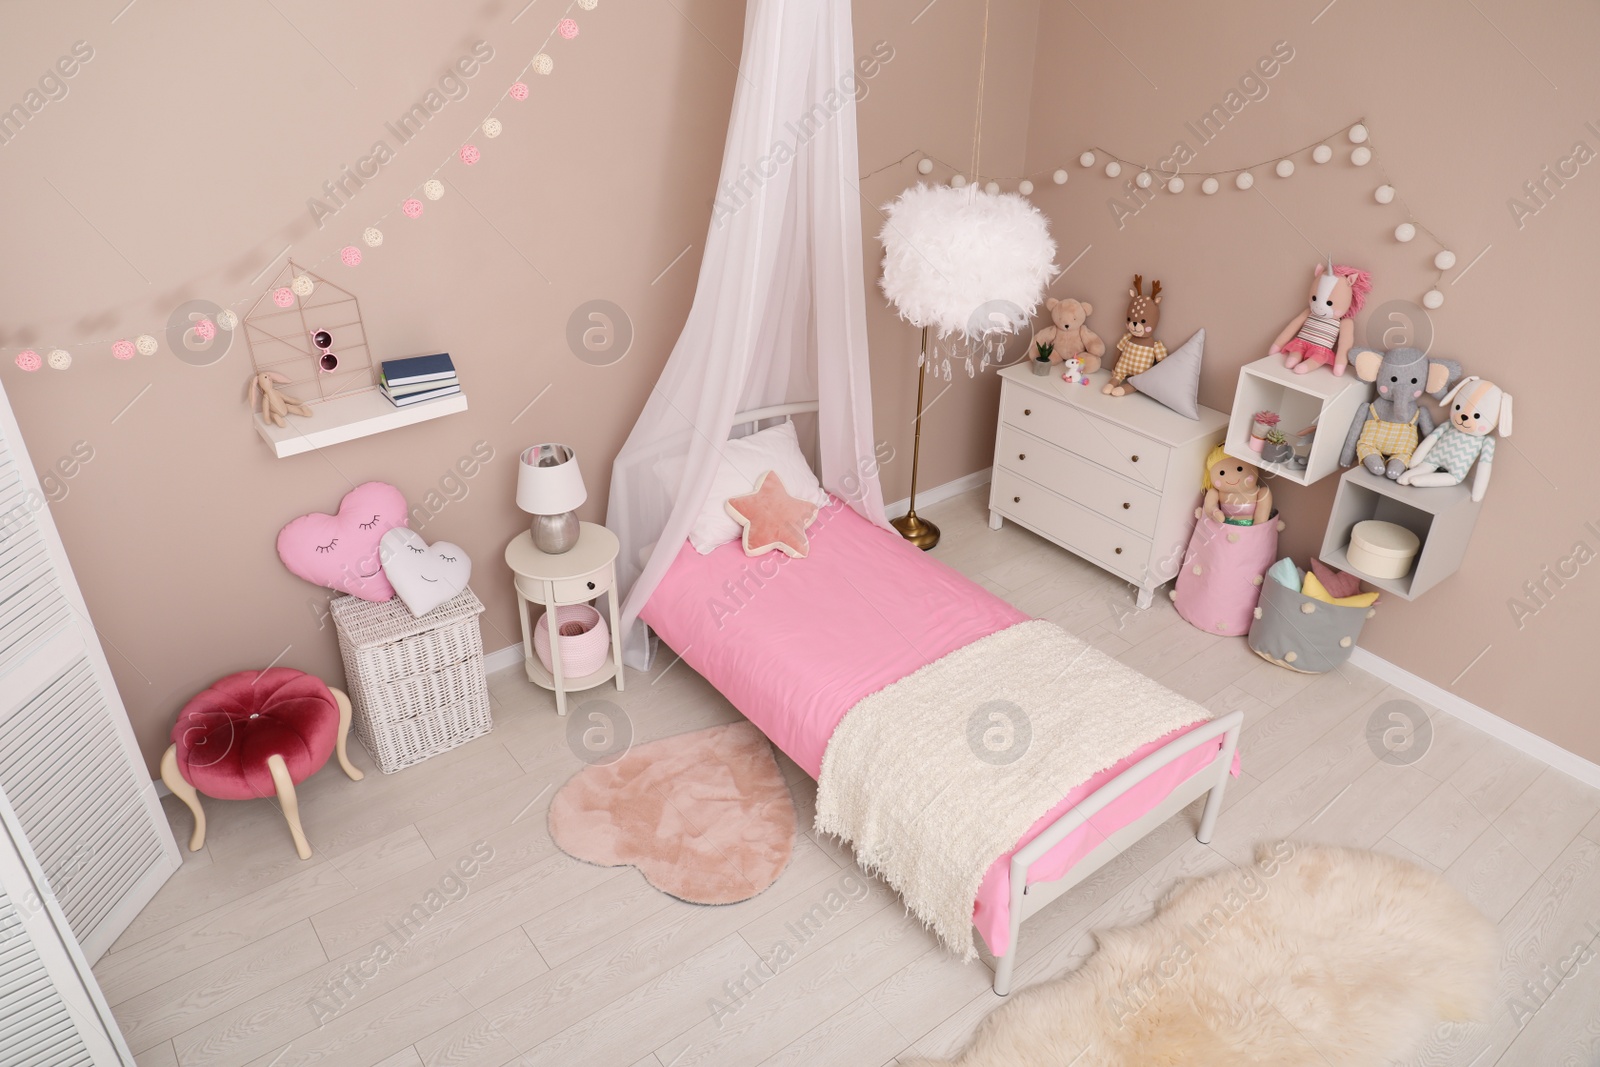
1211, 779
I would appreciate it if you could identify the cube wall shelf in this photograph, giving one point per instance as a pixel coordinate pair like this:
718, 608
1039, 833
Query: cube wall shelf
1442, 517
1315, 398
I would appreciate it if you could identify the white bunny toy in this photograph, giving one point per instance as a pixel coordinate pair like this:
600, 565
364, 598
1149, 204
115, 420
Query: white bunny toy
1072, 371
1476, 410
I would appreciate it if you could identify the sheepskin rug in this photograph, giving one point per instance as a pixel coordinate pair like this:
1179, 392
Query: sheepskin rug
1313, 955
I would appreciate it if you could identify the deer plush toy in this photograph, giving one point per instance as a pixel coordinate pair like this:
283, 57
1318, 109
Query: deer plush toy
1138, 350
1474, 411
1322, 334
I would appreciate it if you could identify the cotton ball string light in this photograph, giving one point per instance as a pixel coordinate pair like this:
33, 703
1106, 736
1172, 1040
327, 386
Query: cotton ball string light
1059, 177
1086, 160
1175, 185
924, 165
1358, 133
1284, 168
1209, 186
958, 181
991, 188
412, 208
283, 296
491, 127
1432, 299
1143, 179
205, 329
567, 28
1445, 260
1113, 169
145, 344
588, 5
433, 188
302, 285
542, 64
227, 318
1383, 194
60, 358
1245, 180
469, 154
1361, 156
123, 349
1321, 154
373, 236
1025, 187
350, 256
29, 360
1404, 232
519, 91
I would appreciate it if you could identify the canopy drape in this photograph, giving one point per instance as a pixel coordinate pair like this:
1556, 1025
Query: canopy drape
779, 312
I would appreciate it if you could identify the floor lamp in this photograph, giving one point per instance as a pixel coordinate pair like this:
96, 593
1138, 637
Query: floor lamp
917, 530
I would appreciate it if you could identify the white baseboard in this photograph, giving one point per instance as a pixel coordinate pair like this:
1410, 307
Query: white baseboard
940, 492
502, 658
1525, 741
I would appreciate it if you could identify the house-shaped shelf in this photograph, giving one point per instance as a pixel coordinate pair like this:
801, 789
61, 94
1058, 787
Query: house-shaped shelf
1316, 398
1442, 517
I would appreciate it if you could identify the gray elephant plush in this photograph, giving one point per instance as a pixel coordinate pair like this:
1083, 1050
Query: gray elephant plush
1386, 432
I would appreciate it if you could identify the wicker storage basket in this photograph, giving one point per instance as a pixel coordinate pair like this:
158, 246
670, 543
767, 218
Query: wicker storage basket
416, 683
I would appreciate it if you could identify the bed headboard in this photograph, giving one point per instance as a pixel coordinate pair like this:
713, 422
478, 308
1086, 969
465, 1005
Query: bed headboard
752, 419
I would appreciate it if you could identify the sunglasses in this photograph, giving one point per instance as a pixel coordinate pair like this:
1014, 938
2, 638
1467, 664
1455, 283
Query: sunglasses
327, 361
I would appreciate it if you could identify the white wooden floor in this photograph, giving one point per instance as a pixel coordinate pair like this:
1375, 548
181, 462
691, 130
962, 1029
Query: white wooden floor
250, 956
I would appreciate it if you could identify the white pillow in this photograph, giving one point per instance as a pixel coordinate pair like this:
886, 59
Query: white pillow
744, 460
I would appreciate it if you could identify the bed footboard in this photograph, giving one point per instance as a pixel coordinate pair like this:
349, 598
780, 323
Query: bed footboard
1213, 778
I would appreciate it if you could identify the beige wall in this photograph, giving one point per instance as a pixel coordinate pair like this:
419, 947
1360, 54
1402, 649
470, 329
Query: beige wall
1461, 120
179, 162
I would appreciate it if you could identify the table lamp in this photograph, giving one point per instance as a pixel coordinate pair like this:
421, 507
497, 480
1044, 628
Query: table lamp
550, 487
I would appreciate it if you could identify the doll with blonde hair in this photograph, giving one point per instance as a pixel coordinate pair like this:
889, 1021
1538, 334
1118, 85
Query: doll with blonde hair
1234, 493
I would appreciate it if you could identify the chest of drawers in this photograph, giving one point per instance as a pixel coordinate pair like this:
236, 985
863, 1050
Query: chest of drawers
1113, 479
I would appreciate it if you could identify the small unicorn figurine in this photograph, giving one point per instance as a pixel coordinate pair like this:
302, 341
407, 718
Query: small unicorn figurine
1072, 371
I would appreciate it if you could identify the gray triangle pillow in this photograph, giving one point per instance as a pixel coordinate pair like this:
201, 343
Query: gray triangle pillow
1175, 381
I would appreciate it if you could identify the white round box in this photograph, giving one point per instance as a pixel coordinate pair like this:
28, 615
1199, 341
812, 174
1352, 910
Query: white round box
1382, 549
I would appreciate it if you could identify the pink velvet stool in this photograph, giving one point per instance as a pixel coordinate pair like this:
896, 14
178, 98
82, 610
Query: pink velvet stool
256, 734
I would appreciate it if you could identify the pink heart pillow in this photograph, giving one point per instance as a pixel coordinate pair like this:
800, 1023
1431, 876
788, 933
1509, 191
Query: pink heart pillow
341, 551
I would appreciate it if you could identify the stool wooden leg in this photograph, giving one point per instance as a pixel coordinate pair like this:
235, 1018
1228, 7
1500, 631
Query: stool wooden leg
340, 746
291, 806
186, 793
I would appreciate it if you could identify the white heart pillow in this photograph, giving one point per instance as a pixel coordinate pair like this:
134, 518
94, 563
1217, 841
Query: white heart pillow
744, 460
423, 575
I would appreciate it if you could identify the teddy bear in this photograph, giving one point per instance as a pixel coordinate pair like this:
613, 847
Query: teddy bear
1070, 336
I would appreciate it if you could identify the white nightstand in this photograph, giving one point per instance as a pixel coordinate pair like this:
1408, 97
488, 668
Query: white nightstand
575, 577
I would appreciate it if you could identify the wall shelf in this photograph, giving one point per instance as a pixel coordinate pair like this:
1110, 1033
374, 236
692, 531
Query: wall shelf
349, 417
1442, 517
1316, 398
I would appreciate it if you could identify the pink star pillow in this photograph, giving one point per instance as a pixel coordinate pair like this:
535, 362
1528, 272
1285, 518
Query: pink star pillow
773, 519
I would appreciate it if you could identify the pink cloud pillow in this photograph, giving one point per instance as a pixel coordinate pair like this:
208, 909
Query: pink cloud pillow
772, 519
341, 551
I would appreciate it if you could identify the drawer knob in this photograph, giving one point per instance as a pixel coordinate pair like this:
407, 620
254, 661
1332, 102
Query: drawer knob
1022, 455
1027, 411
1119, 551
1016, 500
1136, 459
591, 584
1126, 505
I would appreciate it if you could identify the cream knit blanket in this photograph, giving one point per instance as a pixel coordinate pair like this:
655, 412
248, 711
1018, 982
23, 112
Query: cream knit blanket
936, 776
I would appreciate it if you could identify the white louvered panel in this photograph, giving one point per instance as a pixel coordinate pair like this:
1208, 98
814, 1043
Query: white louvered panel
32, 605
79, 799
36, 1027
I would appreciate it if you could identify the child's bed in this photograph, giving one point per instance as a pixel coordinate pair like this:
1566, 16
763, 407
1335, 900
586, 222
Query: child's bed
795, 644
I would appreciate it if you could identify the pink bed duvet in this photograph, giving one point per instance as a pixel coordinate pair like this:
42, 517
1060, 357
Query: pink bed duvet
796, 643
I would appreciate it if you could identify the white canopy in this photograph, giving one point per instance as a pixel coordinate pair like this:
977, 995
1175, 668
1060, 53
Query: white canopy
779, 311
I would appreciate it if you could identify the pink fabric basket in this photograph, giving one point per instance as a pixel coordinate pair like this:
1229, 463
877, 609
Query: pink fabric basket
1222, 573
583, 652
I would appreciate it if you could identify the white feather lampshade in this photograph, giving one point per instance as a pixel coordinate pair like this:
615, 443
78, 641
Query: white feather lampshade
949, 252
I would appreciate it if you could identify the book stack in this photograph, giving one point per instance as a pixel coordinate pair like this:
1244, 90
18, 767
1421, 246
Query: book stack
418, 379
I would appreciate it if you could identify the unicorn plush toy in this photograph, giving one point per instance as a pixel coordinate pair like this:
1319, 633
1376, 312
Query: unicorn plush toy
1322, 334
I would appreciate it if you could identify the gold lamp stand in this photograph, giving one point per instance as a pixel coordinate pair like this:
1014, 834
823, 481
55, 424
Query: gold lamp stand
913, 528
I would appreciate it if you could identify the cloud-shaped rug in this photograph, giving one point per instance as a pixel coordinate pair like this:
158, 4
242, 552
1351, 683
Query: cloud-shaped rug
705, 816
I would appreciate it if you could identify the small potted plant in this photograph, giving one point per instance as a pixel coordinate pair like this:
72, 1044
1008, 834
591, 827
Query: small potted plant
1275, 447
1041, 359
1301, 445
1264, 422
